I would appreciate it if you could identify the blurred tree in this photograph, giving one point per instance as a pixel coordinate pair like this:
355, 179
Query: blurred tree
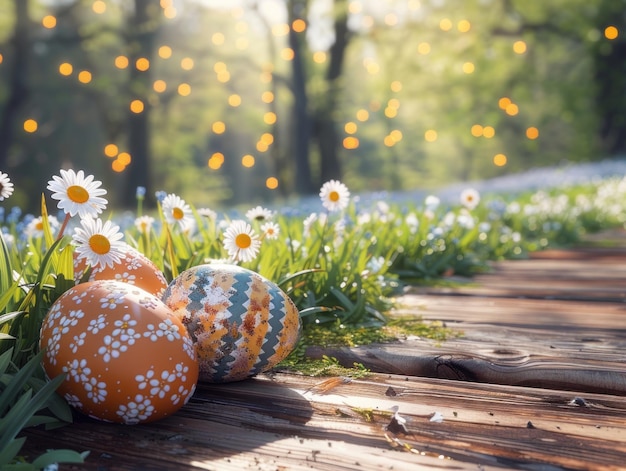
141, 30
17, 92
609, 61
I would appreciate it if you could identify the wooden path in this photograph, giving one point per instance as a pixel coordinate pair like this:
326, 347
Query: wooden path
537, 381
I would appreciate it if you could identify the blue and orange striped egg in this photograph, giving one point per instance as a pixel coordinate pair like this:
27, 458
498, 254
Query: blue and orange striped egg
241, 323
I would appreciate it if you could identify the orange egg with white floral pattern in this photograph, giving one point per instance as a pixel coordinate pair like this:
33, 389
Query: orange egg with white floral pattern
134, 268
125, 356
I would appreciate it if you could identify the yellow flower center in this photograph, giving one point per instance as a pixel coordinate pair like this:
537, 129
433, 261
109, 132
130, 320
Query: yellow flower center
39, 226
243, 241
177, 213
78, 194
333, 196
99, 244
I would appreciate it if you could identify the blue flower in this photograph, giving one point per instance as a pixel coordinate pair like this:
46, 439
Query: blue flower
160, 195
141, 192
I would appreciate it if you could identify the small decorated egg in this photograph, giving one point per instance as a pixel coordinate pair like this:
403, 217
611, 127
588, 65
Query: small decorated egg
125, 356
242, 324
134, 268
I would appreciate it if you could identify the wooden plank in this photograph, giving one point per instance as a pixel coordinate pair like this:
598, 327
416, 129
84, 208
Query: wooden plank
581, 274
295, 422
555, 322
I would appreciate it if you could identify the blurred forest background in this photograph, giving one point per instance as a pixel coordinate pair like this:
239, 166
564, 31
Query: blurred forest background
226, 102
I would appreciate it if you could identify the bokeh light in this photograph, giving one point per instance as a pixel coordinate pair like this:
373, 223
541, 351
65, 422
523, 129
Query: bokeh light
187, 63
66, 69
463, 26
30, 125
234, 100
159, 86
423, 48
445, 24
476, 130
519, 47
611, 32
184, 89
216, 161
137, 106
165, 52
111, 150
430, 135
350, 143
248, 161
468, 68
218, 127
489, 132
142, 64
298, 25
271, 183
99, 7
49, 21
499, 160
121, 62
532, 133
84, 76
269, 118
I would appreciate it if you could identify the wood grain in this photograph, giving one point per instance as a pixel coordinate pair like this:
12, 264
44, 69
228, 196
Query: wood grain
535, 381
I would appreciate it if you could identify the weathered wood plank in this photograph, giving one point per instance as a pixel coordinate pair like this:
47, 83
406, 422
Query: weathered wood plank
293, 422
555, 322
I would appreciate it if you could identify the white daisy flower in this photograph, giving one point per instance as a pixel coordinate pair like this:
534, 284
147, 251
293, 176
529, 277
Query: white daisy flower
35, 227
270, 230
6, 187
99, 243
432, 202
207, 213
176, 210
334, 195
78, 194
470, 198
144, 224
259, 214
241, 242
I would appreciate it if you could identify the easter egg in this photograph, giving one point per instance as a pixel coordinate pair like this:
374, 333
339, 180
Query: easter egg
125, 356
134, 268
242, 323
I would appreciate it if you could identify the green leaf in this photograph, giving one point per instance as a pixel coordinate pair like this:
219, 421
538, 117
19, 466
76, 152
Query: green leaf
18, 382
59, 456
9, 451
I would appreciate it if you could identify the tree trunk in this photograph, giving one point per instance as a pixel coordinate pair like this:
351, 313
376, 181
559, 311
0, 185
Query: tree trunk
143, 25
609, 59
326, 126
301, 117
18, 81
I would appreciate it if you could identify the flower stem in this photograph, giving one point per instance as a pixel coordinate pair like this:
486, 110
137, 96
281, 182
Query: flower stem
64, 225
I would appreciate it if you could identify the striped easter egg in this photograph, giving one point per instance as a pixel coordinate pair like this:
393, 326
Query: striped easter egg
242, 324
